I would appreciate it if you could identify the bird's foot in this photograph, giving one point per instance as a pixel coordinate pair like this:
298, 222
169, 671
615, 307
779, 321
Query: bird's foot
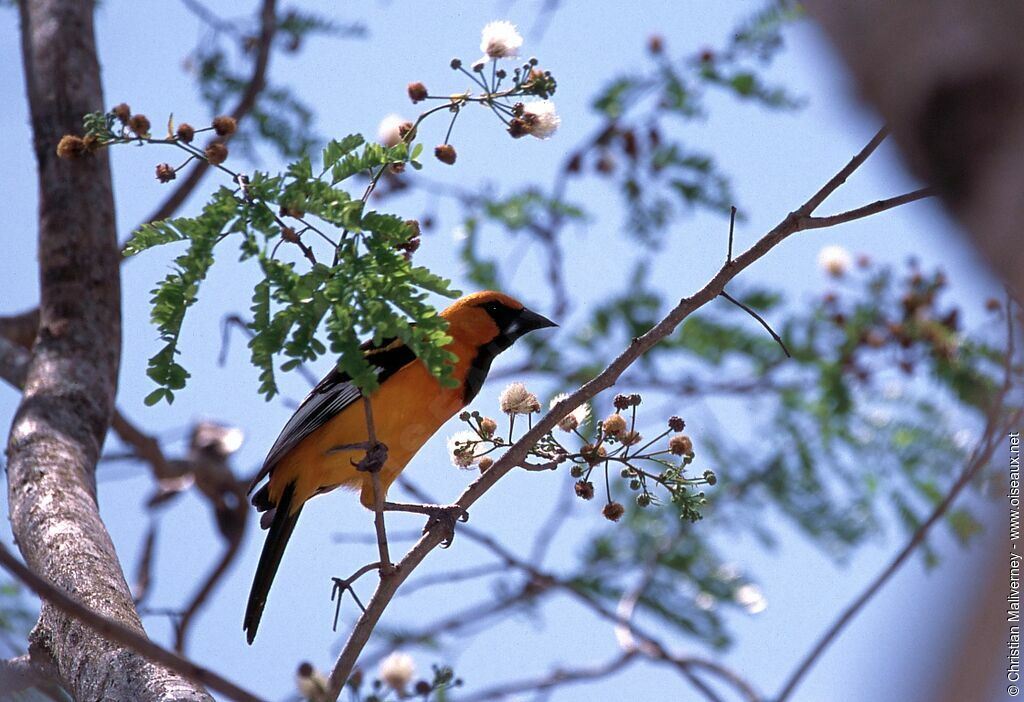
445, 515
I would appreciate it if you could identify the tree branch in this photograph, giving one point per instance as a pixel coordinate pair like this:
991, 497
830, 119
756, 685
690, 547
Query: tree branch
119, 633
867, 210
556, 678
71, 380
517, 453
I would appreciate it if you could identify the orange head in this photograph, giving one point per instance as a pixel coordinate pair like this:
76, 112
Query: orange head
488, 322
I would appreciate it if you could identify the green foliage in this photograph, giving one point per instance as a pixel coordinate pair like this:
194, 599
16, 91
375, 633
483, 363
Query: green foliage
16, 619
371, 287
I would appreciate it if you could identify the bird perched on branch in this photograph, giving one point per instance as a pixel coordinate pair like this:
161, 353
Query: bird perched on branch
408, 407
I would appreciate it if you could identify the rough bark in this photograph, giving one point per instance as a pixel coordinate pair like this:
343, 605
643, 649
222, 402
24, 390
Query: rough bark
948, 78
71, 380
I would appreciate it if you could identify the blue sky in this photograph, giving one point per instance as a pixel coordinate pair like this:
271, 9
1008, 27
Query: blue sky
775, 159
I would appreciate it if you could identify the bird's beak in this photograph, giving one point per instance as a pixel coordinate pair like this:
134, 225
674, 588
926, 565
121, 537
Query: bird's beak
529, 321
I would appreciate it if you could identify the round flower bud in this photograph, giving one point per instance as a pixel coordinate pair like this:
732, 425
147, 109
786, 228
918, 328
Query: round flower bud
593, 454
613, 511
139, 124
186, 132
456, 64
615, 425
224, 125
216, 153
676, 423
643, 500
621, 402
576, 471
445, 153
122, 112
585, 489
487, 427
71, 147
485, 463
165, 173
709, 475
417, 92
680, 445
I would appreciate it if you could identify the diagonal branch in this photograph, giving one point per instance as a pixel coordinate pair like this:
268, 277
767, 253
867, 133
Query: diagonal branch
517, 453
117, 632
868, 210
845, 172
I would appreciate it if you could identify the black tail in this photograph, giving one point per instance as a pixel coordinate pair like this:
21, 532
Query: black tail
273, 549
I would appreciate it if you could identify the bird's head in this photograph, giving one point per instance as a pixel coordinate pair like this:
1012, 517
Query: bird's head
491, 319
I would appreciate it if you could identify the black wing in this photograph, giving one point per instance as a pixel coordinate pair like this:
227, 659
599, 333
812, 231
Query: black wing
332, 395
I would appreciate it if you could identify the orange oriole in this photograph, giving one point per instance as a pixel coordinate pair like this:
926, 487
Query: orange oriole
409, 406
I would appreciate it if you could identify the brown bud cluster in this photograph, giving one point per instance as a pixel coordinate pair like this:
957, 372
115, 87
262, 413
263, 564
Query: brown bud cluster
185, 133
122, 112
445, 153
216, 153
165, 173
613, 511
139, 124
680, 445
224, 125
585, 489
417, 92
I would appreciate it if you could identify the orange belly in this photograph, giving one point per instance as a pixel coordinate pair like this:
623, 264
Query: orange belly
407, 410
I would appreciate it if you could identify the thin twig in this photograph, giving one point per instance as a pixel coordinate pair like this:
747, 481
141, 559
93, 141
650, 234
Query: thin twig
556, 678
867, 210
378, 491
257, 82
845, 172
760, 319
119, 633
732, 230
455, 576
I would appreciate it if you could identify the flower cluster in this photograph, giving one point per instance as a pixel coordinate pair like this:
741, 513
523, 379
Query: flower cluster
395, 680
918, 329
121, 126
615, 443
533, 115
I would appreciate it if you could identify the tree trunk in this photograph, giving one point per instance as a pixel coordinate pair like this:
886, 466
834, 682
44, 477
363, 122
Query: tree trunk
948, 78
72, 378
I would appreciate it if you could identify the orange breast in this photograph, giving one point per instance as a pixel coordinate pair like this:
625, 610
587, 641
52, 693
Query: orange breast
408, 409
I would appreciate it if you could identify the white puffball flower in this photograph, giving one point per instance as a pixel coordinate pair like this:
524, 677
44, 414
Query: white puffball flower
500, 39
704, 600
751, 598
388, 133
461, 447
516, 399
397, 670
574, 419
834, 260
540, 118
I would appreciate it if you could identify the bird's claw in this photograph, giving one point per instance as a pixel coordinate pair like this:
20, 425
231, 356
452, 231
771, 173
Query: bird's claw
446, 516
